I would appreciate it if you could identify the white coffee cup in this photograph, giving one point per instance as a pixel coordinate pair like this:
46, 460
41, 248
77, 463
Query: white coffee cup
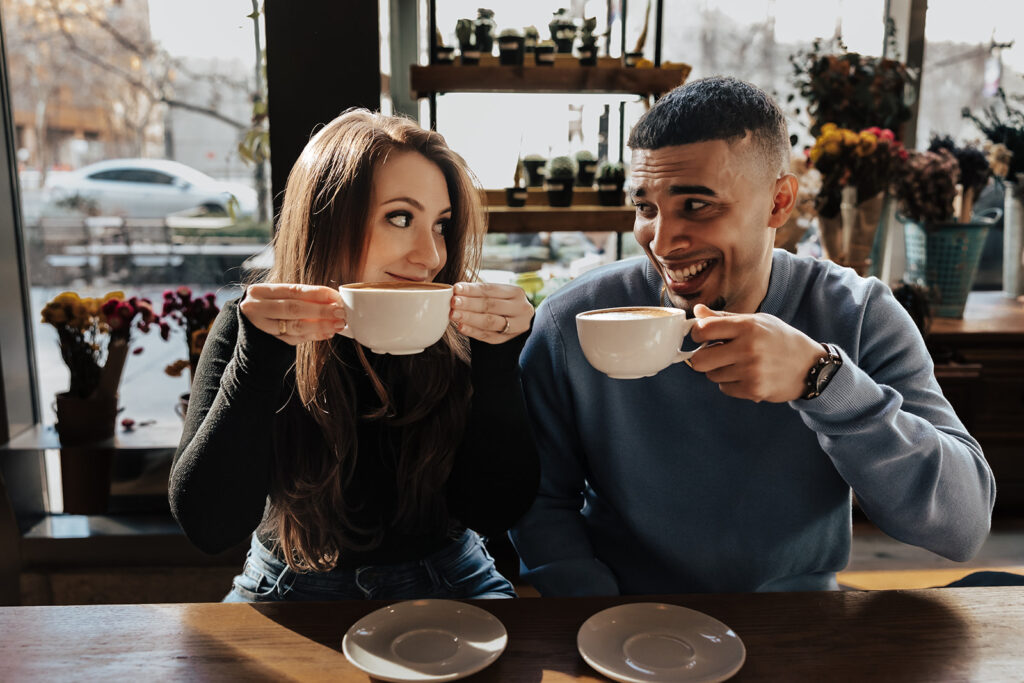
400, 318
634, 341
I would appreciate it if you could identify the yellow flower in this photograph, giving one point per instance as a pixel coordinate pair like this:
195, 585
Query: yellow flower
55, 314
65, 298
832, 147
815, 154
849, 138
866, 145
828, 128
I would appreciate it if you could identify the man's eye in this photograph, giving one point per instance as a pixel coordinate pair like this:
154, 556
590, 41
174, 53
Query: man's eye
400, 219
643, 209
695, 204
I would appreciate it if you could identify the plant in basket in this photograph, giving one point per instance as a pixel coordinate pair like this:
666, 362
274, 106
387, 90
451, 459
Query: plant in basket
974, 173
856, 169
942, 253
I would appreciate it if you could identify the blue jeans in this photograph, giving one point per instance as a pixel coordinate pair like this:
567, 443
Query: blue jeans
462, 569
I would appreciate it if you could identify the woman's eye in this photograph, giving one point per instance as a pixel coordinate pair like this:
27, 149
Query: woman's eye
400, 219
442, 226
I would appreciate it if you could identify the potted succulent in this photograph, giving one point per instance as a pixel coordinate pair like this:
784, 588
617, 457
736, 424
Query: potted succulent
560, 176
544, 53
563, 30
531, 36
484, 27
510, 47
633, 57
586, 167
610, 179
941, 252
516, 194
588, 42
464, 34
534, 165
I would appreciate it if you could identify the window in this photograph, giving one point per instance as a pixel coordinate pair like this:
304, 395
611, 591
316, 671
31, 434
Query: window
167, 80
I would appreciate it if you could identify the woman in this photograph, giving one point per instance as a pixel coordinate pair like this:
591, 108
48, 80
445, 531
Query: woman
364, 476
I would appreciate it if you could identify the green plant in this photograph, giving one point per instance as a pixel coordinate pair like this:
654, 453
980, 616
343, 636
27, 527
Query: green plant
1002, 124
510, 33
611, 172
464, 33
849, 89
562, 27
561, 168
588, 41
584, 155
531, 34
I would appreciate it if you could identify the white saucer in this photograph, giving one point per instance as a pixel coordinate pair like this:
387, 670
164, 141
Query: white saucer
649, 642
425, 640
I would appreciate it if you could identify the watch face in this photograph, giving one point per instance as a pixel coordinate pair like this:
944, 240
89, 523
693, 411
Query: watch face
824, 375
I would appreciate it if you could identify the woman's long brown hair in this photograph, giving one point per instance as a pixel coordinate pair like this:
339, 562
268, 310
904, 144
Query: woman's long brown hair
322, 239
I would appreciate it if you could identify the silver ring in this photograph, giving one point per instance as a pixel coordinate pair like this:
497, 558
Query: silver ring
507, 324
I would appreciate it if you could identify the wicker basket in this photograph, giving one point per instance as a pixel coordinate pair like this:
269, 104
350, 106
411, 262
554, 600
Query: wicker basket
945, 258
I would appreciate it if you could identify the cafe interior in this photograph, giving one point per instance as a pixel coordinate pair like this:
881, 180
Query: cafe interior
146, 148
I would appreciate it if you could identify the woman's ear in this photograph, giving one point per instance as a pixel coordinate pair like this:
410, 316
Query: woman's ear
783, 200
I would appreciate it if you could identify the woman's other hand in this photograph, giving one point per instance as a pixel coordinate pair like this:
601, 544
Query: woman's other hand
294, 313
489, 312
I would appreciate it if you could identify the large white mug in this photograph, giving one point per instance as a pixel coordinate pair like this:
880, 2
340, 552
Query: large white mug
635, 341
400, 318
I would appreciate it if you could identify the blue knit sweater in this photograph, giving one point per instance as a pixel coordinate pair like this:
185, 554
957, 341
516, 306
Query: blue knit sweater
667, 485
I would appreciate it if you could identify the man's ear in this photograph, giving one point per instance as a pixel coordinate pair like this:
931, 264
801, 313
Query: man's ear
783, 200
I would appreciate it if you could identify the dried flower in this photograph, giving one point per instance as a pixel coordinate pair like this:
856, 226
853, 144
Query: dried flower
88, 329
926, 186
195, 316
867, 160
1003, 124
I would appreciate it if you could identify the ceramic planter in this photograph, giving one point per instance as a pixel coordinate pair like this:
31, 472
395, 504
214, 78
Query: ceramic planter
510, 51
444, 55
610, 194
515, 196
544, 55
534, 172
585, 174
630, 59
470, 56
559, 192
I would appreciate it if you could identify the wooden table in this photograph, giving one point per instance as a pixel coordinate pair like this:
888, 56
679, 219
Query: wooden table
944, 634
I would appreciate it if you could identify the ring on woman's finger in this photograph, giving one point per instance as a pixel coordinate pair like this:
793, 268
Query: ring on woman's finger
282, 328
507, 324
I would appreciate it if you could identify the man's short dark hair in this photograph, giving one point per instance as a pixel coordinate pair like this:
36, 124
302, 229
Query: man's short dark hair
716, 108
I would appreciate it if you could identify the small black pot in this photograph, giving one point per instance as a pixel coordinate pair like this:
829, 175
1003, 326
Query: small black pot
515, 196
610, 194
534, 172
585, 173
510, 51
544, 55
444, 55
484, 38
470, 57
588, 56
559, 192
564, 45
631, 58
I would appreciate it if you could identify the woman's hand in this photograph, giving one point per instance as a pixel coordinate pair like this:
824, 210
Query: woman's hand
295, 314
489, 312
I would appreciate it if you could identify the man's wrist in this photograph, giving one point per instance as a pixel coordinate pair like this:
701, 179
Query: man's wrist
821, 373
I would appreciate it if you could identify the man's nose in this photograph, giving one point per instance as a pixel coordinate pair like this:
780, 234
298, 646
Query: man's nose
667, 235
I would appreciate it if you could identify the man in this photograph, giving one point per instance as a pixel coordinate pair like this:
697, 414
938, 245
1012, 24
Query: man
735, 474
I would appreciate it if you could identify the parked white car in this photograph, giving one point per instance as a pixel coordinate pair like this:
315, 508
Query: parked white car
144, 188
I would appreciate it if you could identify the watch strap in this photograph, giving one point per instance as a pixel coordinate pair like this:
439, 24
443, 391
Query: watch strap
812, 386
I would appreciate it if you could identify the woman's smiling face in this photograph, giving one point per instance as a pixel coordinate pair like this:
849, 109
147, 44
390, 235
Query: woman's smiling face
705, 215
410, 211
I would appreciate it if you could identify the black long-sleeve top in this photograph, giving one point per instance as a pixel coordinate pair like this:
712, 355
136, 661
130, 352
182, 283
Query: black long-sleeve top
220, 477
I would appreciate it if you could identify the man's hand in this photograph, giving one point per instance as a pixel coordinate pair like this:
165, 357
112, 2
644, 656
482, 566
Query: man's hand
760, 358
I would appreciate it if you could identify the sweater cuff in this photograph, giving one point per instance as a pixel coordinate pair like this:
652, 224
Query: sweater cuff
848, 393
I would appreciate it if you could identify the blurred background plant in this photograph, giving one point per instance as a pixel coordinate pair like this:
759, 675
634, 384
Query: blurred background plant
867, 160
1002, 123
194, 316
925, 187
974, 172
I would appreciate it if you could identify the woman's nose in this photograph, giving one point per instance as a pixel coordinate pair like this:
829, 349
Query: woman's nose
426, 249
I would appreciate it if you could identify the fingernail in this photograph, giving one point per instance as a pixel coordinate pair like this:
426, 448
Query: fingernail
339, 312
456, 315
340, 325
459, 288
459, 301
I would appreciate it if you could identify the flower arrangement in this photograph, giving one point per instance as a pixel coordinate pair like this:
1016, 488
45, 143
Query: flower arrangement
926, 187
849, 89
974, 173
94, 334
867, 160
195, 316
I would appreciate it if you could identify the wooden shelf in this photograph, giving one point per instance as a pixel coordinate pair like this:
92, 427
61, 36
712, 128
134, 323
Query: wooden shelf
538, 79
569, 219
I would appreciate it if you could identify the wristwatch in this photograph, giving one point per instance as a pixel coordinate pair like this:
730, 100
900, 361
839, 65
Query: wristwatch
821, 372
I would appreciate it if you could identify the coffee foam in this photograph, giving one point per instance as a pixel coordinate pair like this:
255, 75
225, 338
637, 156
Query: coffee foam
628, 314
399, 286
